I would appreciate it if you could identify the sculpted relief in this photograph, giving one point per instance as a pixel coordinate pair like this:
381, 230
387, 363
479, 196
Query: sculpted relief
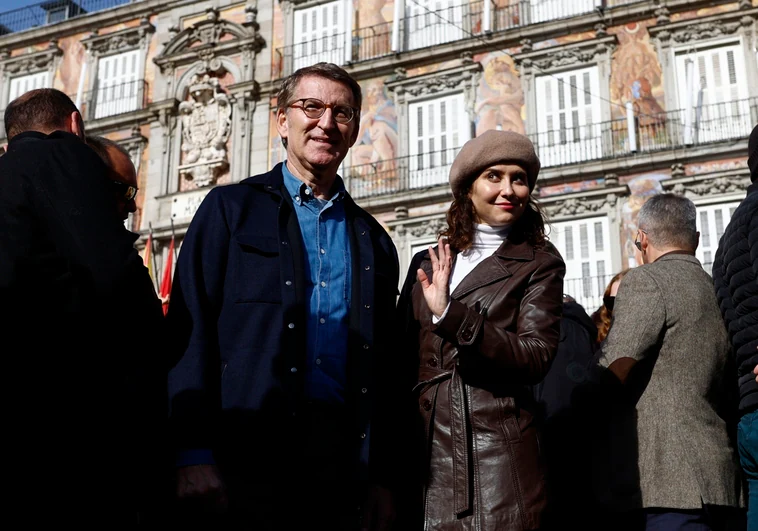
206, 125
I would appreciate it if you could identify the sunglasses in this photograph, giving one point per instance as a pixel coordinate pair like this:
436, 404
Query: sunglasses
126, 191
637, 242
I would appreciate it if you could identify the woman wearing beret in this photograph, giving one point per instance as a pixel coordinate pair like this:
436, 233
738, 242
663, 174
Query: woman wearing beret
480, 314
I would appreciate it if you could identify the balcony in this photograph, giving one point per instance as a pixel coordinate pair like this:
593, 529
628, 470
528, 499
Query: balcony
647, 134
413, 172
112, 100
51, 12
608, 140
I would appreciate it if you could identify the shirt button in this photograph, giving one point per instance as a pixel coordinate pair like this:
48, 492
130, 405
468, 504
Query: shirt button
284, 243
307, 191
318, 361
323, 284
367, 306
288, 282
363, 435
291, 326
427, 405
322, 320
364, 390
365, 347
367, 268
323, 252
293, 370
297, 199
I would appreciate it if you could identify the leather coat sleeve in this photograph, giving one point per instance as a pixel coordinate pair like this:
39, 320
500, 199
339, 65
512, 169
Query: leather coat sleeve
529, 350
196, 299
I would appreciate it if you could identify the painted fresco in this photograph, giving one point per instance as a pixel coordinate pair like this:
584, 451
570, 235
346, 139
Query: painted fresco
641, 188
277, 41
713, 166
500, 98
69, 69
377, 136
704, 12
636, 74
570, 188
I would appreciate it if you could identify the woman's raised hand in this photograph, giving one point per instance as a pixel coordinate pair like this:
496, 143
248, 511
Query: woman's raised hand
437, 291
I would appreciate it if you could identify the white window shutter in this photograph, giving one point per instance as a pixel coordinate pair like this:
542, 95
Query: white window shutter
320, 35
118, 87
23, 84
711, 223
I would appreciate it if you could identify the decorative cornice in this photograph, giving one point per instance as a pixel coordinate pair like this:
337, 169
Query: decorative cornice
31, 62
576, 53
585, 203
711, 27
122, 40
203, 40
420, 227
433, 83
716, 185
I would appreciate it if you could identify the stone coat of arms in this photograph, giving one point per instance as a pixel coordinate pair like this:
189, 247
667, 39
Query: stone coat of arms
206, 125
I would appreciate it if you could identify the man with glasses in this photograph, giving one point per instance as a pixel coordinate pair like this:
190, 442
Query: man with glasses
282, 402
121, 172
666, 357
80, 318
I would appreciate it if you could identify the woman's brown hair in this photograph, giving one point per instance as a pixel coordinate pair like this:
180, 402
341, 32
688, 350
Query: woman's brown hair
603, 316
461, 219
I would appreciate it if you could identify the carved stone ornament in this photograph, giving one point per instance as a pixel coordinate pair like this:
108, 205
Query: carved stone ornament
122, 40
206, 125
574, 206
426, 229
558, 57
725, 184
33, 62
711, 27
462, 77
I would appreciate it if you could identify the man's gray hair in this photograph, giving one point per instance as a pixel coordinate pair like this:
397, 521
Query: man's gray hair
100, 145
669, 220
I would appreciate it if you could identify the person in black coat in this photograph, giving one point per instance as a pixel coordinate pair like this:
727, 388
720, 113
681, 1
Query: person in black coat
735, 277
84, 391
565, 436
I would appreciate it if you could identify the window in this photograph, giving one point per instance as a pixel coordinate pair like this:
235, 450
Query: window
712, 91
118, 87
584, 245
568, 117
319, 35
542, 10
711, 223
436, 129
22, 84
432, 22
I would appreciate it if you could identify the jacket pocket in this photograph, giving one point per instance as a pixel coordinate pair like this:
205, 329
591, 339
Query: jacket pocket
256, 273
508, 419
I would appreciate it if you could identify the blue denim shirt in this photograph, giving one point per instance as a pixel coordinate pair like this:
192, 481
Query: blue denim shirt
327, 251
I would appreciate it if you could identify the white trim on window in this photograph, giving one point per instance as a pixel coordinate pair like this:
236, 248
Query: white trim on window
433, 22
437, 128
711, 223
568, 116
118, 85
585, 246
319, 35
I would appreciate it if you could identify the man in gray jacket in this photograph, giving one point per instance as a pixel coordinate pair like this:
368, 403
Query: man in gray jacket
667, 352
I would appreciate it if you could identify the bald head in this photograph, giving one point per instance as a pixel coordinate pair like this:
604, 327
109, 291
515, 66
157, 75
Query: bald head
120, 170
43, 110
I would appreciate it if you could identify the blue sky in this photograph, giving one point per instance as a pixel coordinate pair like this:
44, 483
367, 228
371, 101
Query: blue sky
7, 5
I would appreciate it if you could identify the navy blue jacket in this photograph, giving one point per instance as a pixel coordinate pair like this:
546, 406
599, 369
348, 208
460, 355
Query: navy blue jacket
237, 316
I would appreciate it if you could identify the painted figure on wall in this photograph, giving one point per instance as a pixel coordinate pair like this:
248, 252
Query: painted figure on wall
377, 136
501, 96
636, 74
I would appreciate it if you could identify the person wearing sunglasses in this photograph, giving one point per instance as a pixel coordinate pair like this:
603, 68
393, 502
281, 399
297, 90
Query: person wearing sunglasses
121, 173
664, 361
283, 305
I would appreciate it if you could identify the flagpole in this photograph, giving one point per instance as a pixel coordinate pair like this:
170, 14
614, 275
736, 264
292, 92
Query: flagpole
152, 254
173, 237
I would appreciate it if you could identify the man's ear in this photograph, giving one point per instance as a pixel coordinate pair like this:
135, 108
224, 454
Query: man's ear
697, 241
356, 129
76, 124
282, 125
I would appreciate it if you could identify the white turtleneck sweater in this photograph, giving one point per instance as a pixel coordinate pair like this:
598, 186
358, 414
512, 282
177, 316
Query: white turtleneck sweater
487, 239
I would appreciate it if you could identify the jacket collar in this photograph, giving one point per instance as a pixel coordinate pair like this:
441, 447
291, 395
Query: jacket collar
28, 136
678, 255
753, 188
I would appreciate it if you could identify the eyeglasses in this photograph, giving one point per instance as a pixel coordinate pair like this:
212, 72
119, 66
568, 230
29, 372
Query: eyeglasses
314, 109
637, 242
126, 191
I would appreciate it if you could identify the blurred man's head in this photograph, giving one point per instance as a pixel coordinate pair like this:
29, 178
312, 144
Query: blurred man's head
666, 222
45, 111
120, 170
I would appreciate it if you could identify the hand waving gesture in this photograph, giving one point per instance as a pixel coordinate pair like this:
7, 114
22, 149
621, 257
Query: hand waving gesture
437, 291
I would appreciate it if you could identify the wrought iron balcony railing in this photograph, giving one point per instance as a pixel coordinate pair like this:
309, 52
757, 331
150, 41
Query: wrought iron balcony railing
111, 100
614, 139
51, 12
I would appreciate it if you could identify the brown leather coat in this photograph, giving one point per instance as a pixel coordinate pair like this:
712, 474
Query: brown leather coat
481, 463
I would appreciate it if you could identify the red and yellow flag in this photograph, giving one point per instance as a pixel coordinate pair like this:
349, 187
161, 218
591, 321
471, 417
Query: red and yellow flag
167, 277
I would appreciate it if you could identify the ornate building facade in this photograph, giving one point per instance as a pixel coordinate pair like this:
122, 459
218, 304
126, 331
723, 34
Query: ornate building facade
624, 99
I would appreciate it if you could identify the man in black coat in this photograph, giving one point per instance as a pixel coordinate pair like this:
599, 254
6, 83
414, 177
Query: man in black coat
735, 277
79, 316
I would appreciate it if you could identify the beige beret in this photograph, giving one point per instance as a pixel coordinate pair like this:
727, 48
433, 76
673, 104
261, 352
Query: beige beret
491, 148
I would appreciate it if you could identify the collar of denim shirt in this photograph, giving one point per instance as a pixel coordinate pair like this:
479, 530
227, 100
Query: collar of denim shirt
298, 189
